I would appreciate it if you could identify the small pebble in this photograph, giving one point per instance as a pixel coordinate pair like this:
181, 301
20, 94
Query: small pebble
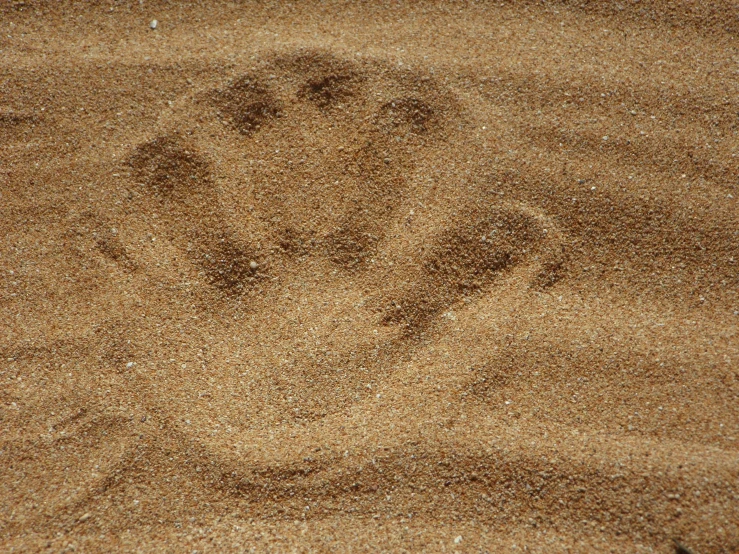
458, 539
153, 24
253, 264
129, 365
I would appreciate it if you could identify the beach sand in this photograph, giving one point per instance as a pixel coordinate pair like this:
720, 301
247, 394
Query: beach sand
330, 277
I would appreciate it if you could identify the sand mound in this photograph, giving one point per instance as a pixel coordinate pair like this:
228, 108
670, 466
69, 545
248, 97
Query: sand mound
423, 278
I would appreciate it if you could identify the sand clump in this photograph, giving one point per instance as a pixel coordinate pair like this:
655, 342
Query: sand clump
331, 277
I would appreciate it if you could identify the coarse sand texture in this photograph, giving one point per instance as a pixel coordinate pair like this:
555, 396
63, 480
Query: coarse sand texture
380, 276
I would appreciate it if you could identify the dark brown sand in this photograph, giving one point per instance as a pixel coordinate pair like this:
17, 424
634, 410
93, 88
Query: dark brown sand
350, 277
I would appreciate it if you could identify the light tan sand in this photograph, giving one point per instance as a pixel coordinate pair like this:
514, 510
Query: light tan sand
347, 277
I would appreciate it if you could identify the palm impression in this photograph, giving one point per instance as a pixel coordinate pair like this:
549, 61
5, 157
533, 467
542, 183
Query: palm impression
311, 224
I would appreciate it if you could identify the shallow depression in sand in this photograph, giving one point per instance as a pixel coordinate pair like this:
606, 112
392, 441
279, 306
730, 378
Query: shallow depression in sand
338, 247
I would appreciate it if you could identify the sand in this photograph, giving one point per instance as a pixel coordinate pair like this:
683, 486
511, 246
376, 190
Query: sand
384, 276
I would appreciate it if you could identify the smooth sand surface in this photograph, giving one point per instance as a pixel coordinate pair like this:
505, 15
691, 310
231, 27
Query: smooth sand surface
331, 277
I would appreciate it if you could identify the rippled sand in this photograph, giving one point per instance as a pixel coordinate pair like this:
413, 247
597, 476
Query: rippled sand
333, 277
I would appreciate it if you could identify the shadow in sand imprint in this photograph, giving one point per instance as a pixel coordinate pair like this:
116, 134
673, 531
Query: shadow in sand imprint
463, 260
179, 185
248, 104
